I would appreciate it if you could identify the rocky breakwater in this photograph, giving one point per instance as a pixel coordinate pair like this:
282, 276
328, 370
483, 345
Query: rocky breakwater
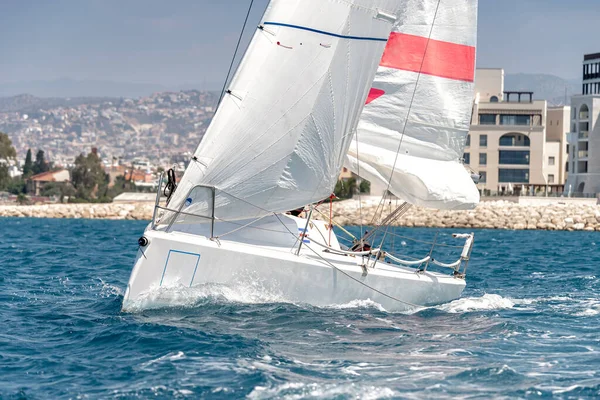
490, 215
138, 211
487, 215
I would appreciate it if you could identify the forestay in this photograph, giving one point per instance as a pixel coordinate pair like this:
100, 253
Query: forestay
281, 133
413, 128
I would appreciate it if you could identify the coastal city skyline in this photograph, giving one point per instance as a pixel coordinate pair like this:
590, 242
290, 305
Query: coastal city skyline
165, 45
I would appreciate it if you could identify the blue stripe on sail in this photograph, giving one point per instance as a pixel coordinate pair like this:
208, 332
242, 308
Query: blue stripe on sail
305, 28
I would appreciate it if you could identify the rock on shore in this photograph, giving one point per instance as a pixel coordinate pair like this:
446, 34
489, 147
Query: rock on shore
493, 215
138, 211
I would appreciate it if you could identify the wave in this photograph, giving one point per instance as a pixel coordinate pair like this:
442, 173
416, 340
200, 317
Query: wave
297, 390
484, 303
358, 304
108, 290
177, 295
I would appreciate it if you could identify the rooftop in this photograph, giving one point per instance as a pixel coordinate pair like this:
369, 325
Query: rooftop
592, 56
49, 176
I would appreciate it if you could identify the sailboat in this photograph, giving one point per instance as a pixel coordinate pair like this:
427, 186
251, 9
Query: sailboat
292, 116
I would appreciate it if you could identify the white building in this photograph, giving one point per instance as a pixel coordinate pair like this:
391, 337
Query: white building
584, 138
517, 144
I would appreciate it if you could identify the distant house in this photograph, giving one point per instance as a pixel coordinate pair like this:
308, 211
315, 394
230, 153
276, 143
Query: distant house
346, 174
36, 183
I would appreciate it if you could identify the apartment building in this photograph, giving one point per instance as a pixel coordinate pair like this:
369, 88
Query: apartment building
509, 144
584, 138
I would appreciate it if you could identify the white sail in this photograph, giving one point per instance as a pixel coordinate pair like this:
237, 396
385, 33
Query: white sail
281, 133
412, 131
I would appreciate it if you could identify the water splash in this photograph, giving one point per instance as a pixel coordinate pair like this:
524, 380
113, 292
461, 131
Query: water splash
484, 303
299, 390
178, 295
368, 303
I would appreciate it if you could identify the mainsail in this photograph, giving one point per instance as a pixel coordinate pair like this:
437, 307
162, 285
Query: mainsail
282, 131
412, 131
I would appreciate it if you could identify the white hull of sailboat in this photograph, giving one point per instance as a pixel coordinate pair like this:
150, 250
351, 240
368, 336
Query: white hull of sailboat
175, 259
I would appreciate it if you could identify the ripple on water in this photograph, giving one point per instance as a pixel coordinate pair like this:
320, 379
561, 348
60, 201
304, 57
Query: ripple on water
525, 327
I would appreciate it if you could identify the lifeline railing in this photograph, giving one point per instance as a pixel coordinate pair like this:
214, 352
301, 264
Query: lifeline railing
463, 261
179, 211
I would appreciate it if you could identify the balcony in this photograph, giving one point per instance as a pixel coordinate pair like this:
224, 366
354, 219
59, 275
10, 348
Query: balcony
584, 135
584, 115
582, 154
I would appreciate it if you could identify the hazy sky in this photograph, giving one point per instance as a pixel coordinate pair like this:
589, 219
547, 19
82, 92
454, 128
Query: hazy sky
191, 41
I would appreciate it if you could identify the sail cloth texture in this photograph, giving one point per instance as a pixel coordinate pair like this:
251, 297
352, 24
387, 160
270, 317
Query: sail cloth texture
420, 107
280, 136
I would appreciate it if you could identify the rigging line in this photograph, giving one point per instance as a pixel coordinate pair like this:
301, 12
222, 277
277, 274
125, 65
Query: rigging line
359, 197
235, 53
241, 227
413, 94
324, 260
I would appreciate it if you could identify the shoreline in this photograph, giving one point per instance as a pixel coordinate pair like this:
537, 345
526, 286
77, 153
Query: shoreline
487, 215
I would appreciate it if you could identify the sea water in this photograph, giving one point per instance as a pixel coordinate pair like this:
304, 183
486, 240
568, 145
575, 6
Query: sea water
528, 325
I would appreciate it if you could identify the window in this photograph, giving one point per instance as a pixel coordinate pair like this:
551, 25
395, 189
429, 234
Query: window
467, 158
483, 141
487, 119
567, 149
513, 139
514, 157
468, 141
494, 99
550, 178
513, 175
482, 159
551, 160
584, 111
567, 166
515, 119
482, 177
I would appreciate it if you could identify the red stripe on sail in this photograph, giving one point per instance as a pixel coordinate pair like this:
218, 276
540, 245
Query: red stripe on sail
374, 94
443, 59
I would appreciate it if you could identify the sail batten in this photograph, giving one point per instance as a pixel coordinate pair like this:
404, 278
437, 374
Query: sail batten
412, 131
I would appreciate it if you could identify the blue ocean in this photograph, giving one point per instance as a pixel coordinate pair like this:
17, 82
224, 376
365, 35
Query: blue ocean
527, 326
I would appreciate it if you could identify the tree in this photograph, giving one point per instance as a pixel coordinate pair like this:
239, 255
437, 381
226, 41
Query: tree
5, 179
365, 186
40, 165
88, 177
28, 166
345, 189
7, 151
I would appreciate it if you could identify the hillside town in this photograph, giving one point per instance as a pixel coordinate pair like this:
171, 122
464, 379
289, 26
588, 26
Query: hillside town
517, 146
149, 131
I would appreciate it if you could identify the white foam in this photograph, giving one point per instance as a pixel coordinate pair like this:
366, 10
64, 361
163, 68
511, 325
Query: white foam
108, 290
177, 295
299, 390
483, 303
368, 303
167, 357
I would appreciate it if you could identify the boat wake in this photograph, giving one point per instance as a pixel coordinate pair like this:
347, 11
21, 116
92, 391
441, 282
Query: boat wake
358, 304
180, 296
471, 304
